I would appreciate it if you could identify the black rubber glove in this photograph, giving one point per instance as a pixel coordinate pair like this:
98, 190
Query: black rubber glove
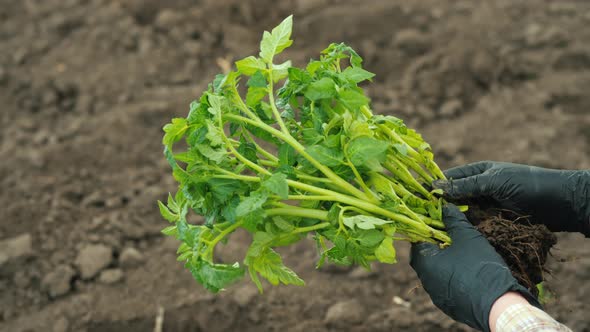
559, 199
465, 279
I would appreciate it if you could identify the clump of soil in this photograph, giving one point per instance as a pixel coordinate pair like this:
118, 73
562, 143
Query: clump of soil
522, 245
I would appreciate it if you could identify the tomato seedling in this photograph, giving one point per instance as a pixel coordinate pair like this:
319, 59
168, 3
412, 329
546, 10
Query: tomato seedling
298, 152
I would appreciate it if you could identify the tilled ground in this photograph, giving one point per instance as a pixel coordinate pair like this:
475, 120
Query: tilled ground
85, 86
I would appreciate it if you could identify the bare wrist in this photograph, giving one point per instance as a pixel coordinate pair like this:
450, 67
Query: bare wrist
501, 304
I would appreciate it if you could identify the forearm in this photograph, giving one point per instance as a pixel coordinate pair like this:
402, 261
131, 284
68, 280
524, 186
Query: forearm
512, 313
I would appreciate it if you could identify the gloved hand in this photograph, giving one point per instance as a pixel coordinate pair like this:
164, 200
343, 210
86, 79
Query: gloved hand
465, 279
559, 199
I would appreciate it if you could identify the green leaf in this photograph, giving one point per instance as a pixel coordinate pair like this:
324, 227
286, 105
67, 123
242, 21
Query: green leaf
269, 265
369, 238
322, 89
299, 77
362, 149
188, 234
364, 222
172, 204
277, 184
287, 155
250, 65
253, 219
283, 224
313, 66
401, 148
197, 136
166, 213
311, 136
353, 99
228, 211
281, 71
215, 102
223, 189
255, 95
170, 158
248, 150
333, 141
218, 82
214, 134
358, 128
174, 131
217, 156
251, 203
257, 80
195, 112
277, 40
215, 277
385, 252
328, 156
338, 256
356, 74
170, 231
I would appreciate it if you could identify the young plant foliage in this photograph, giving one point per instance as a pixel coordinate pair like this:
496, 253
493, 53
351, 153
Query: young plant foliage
299, 152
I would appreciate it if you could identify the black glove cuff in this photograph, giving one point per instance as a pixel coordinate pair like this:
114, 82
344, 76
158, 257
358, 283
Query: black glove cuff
580, 189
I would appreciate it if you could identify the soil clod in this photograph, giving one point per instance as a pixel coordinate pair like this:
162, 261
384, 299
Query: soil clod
523, 246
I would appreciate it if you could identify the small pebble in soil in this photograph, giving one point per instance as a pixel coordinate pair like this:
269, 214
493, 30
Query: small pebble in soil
61, 325
361, 273
131, 257
111, 276
345, 313
58, 282
412, 41
16, 247
451, 108
92, 259
244, 295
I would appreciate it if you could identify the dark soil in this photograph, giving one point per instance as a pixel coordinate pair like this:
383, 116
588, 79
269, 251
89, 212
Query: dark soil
86, 85
523, 246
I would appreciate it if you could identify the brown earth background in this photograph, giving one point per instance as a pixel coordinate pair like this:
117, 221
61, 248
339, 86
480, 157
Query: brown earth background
86, 85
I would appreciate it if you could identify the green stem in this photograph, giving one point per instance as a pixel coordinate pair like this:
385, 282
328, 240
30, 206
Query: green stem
213, 243
311, 228
398, 169
419, 227
416, 227
411, 151
417, 168
436, 170
273, 106
303, 176
432, 222
392, 134
298, 212
360, 180
336, 180
265, 162
242, 105
229, 175
310, 198
238, 155
262, 151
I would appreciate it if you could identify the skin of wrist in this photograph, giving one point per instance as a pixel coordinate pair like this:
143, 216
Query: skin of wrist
501, 304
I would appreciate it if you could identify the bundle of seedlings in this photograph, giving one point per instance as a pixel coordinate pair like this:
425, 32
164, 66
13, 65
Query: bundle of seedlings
298, 151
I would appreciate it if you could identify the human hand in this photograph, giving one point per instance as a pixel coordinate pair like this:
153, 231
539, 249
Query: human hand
465, 279
560, 199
